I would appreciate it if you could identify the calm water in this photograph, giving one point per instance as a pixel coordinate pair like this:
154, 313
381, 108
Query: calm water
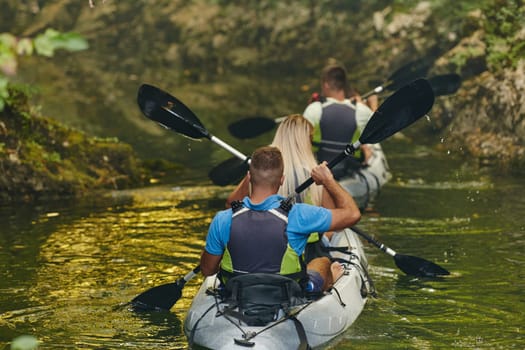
69, 268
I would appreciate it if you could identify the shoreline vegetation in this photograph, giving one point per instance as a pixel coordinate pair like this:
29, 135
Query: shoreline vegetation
40, 158
481, 41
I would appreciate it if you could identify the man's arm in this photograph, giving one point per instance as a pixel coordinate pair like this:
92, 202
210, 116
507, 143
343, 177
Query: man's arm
210, 263
215, 243
313, 113
346, 212
242, 190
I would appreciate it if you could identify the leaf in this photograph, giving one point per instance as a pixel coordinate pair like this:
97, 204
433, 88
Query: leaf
24, 47
7, 40
44, 46
4, 93
72, 42
8, 62
51, 40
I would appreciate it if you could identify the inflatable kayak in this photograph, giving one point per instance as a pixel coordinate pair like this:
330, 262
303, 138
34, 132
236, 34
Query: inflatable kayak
244, 320
365, 184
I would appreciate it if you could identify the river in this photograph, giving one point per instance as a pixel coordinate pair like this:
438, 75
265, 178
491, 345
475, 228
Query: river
70, 267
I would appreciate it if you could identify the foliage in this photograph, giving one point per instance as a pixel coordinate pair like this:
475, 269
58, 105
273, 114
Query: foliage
505, 33
41, 157
231, 59
45, 44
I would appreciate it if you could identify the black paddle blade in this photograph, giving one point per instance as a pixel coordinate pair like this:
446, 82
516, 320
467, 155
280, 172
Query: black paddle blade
168, 111
414, 266
410, 71
445, 84
398, 111
159, 298
251, 127
228, 172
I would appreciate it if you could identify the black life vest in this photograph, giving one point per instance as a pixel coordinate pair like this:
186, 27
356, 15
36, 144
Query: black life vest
338, 127
259, 244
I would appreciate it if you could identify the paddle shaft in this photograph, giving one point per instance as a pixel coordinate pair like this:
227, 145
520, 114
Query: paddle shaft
375, 91
444, 84
409, 71
349, 150
227, 147
211, 137
370, 239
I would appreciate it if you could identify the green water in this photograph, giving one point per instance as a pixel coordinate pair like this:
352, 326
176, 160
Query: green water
70, 267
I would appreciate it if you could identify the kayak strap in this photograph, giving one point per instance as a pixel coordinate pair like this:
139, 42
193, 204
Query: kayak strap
194, 329
248, 336
301, 333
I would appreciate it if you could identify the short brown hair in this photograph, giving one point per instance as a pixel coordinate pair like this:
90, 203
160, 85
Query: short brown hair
266, 166
335, 76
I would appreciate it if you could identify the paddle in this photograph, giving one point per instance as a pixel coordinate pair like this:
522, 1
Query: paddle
172, 114
400, 77
445, 84
251, 127
411, 265
397, 112
228, 172
255, 126
164, 296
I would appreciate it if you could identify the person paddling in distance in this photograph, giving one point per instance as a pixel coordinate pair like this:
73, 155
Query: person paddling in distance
260, 235
294, 139
339, 120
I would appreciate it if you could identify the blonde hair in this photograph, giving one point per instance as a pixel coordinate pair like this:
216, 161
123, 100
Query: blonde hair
293, 138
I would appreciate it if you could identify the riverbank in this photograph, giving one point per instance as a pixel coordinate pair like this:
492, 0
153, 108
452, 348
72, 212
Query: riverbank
225, 76
41, 158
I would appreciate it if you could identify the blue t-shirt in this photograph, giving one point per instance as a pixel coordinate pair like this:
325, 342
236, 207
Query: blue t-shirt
303, 219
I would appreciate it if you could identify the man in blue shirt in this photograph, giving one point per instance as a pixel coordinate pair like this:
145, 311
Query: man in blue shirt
260, 236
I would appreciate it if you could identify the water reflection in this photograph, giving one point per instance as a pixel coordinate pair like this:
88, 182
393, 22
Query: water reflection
71, 268
89, 264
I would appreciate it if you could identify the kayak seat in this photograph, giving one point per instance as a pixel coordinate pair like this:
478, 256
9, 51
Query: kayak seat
257, 298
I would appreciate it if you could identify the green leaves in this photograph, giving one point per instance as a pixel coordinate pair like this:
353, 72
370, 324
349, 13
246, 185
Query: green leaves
44, 44
8, 45
51, 40
4, 94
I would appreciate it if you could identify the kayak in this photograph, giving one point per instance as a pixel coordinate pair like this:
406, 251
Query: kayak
213, 322
365, 184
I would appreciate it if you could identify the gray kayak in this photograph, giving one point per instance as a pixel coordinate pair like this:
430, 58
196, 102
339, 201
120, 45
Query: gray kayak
210, 322
365, 184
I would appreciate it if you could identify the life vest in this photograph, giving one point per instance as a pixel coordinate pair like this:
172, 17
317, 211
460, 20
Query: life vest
259, 244
337, 127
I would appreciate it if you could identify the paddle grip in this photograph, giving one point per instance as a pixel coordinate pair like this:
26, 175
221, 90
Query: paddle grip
189, 276
376, 91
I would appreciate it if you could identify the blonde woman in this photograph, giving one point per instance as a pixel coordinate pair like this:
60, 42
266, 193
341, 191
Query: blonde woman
293, 138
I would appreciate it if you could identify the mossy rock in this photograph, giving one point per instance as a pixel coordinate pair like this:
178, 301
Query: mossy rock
40, 157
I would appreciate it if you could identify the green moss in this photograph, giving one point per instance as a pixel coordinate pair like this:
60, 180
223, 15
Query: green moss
503, 27
41, 157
